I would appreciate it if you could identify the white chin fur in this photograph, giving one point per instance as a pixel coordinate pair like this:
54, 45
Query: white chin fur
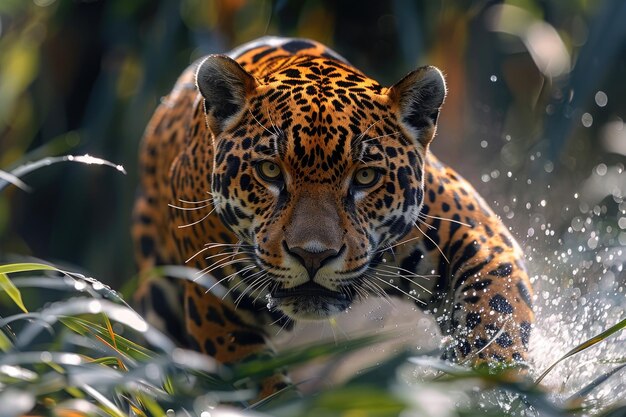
311, 308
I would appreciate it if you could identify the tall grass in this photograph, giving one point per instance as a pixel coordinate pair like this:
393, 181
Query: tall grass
87, 353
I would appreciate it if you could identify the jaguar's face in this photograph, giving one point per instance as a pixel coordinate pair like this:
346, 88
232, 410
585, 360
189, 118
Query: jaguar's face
318, 169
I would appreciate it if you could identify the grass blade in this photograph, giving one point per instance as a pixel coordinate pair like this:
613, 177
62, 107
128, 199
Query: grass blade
264, 366
106, 404
585, 345
583, 392
5, 342
12, 179
32, 166
12, 291
26, 267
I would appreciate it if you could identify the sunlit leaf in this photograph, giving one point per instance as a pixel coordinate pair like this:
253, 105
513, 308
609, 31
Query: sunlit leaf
151, 405
5, 342
84, 159
7, 286
25, 267
106, 404
8, 177
83, 326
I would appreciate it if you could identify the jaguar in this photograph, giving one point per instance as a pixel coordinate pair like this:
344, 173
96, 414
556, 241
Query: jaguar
295, 185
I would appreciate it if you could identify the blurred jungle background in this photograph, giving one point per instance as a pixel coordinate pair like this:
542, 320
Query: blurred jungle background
534, 115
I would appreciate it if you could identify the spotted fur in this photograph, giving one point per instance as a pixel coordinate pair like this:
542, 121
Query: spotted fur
308, 243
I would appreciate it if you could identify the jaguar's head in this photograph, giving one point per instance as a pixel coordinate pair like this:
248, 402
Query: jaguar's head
318, 168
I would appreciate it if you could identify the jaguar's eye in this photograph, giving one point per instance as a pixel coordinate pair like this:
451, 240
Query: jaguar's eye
366, 177
269, 171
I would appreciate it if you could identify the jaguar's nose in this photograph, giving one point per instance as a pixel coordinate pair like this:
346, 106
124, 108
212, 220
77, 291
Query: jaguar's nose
312, 261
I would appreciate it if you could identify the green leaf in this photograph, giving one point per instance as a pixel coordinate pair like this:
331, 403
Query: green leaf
265, 365
153, 408
25, 267
359, 401
5, 342
124, 345
12, 291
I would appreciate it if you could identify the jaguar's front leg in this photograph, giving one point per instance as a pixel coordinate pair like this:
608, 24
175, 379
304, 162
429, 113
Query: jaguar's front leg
489, 309
229, 335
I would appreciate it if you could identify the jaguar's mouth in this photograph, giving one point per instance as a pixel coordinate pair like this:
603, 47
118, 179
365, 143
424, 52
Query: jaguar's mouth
310, 289
310, 301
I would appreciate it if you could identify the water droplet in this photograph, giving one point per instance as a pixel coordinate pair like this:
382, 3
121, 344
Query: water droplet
586, 119
548, 167
484, 144
601, 99
94, 307
493, 78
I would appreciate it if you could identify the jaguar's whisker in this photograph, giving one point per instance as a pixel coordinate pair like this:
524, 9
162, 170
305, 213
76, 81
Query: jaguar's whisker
188, 208
433, 242
381, 136
411, 273
446, 219
284, 324
197, 221
262, 289
210, 199
241, 279
222, 265
430, 226
249, 289
370, 126
403, 277
196, 254
397, 244
217, 245
417, 300
251, 286
377, 289
259, 123
214, 285
225, 254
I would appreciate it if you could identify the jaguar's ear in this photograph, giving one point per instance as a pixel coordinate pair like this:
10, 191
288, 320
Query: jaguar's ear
225, 85
419, 97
